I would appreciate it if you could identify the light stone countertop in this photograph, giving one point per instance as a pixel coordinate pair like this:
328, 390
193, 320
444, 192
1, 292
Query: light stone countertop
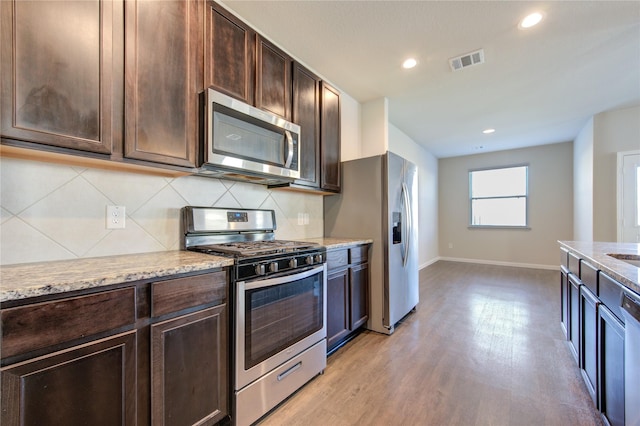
332, 243
22, 281
596, 254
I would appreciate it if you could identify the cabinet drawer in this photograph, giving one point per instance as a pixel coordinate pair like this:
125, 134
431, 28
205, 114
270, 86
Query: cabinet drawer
589, 276
182, 293
31, 327
359, 254
337, 259
574, 264
610, 292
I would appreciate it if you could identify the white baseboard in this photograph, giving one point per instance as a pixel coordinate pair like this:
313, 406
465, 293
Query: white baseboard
492, 262
429, 262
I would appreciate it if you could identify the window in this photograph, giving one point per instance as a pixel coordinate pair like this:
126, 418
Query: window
498, 197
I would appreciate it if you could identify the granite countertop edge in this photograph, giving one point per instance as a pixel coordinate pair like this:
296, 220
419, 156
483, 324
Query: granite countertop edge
28, 280
23, 281
332, 243
596, 253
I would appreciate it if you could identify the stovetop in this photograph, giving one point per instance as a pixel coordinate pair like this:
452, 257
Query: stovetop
256, 248
247, 236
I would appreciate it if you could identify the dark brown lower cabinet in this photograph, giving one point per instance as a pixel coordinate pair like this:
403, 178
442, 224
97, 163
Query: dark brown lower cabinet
611, 366
337, 307
90, 384
347, 293
148, 353
359, 295
189, 369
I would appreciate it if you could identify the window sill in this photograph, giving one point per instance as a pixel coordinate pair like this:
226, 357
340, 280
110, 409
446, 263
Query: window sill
524, 228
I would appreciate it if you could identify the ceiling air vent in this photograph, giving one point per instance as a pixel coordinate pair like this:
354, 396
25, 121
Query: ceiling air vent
467, 60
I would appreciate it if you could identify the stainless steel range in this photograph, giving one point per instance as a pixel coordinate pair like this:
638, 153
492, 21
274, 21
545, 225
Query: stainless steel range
279, 299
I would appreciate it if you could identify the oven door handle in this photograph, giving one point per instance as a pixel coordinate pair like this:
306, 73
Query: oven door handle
260, 283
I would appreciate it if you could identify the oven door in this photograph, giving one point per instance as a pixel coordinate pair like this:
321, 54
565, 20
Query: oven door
276, 319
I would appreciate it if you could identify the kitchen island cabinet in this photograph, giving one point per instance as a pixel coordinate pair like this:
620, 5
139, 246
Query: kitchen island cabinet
600, 281
146, 351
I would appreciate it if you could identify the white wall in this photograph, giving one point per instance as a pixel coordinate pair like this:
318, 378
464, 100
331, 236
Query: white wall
350, 129
54, 212
404, 146
550, 208
375, 128
583, 184
613, 132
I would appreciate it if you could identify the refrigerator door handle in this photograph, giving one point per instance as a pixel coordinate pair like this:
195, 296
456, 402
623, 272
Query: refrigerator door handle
408, 225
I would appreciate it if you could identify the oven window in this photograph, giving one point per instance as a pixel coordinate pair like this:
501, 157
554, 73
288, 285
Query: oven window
278, 316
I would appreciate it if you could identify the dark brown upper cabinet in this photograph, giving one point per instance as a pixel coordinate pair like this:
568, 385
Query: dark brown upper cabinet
59, 85
164, 77
273, 78
306, 113
230, 54
329, 138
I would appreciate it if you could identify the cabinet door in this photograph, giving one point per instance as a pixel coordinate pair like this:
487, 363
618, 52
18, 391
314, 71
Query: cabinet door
189, 369
337, 307
359, 286
588, 344
57, 63
306, 113
164, 77
329, 138
574, 316
229, 54
91, 384
273, 78
564, 301
611, 366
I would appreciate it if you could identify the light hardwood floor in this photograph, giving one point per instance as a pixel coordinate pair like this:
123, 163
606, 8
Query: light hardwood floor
483, 348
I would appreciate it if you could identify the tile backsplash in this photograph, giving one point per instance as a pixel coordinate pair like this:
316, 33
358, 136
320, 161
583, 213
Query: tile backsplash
53, 212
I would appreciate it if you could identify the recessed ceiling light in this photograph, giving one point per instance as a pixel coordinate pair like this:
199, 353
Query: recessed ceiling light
488, 131
409, 63
530, 20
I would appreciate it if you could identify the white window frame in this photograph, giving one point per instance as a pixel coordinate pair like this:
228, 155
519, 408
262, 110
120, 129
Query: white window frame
525, 195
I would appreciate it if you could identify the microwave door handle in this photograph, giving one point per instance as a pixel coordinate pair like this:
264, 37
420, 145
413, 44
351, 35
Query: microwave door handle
289, 150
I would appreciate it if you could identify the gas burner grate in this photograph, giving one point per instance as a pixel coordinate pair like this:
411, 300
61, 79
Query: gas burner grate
256, 248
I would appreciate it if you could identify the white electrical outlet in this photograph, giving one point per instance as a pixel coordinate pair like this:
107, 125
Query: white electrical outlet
300, 218
306, 219
115, 217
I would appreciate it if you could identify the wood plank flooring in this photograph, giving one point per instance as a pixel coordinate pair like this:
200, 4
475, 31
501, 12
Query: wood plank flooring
483, 348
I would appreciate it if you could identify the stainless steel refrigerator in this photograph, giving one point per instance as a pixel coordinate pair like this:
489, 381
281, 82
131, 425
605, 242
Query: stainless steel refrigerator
379, 201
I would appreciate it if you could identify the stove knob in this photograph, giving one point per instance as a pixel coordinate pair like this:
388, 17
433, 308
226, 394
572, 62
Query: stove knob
293, 263
308, 260
260, 269
319, 258
273, 267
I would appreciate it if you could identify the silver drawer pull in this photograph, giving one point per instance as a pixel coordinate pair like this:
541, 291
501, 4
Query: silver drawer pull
289, 371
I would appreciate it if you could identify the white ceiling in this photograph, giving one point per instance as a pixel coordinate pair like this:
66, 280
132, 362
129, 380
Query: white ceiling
536, 87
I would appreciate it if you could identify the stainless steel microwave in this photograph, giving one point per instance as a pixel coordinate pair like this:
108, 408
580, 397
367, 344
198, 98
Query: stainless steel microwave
245, 142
